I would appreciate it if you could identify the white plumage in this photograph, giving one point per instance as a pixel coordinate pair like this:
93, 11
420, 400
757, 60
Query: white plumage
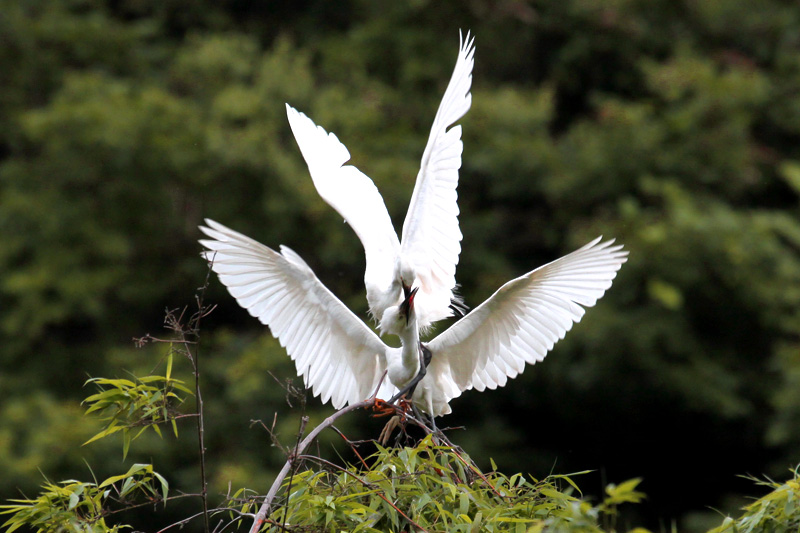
342, 360
428, 254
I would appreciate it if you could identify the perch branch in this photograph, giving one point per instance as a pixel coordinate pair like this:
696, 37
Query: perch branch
264, 510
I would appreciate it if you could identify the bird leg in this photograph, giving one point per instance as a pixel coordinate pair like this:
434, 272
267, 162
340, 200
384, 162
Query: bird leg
404, 396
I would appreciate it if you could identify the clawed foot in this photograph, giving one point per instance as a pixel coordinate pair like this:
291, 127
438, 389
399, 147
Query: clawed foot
384, 408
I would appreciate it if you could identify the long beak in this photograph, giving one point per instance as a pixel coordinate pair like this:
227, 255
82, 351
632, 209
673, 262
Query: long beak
408, 303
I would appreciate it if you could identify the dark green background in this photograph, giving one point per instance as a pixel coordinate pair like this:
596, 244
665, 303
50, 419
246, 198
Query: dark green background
673, 126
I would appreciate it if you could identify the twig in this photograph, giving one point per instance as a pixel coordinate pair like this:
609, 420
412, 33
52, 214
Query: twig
271, 432
352, 446
293, 459
128, 506
217, 510
195, 330
264, 510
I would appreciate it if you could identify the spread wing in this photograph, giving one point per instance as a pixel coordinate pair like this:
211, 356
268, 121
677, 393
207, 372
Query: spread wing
431, 239
522, 321
355, 197
339, 357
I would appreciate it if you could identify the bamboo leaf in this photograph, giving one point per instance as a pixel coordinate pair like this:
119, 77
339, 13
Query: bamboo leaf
106, 432
164, 486
169, 366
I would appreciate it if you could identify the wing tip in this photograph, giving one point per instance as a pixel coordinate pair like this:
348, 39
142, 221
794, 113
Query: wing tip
466, 42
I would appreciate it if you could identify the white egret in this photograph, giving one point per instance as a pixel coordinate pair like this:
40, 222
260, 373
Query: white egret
431, 237
342, 360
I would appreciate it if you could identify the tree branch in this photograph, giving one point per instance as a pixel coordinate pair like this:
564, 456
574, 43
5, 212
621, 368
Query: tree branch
266, 506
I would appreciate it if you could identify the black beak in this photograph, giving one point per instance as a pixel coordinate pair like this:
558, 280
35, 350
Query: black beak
408, 303
406, 290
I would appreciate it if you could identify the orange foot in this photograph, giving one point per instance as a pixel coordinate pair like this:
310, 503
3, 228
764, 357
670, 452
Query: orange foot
382, 408
399, 412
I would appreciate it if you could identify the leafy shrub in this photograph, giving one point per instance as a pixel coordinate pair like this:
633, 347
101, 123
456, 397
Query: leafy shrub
777, 512
436, 488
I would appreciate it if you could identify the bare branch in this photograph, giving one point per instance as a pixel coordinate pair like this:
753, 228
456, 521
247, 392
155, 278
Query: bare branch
265, 508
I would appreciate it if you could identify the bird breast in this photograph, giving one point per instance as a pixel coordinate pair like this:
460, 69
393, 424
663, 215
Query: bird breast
401, 372
430, 397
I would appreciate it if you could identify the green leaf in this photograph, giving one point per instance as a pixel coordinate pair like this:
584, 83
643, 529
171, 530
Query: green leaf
136, 468
106, 432
169, 365
73, 501
164, 486
126, 443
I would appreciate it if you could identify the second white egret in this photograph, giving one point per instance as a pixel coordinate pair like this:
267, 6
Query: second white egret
427, 256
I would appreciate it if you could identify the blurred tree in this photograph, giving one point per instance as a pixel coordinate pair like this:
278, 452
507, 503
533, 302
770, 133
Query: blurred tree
674, 127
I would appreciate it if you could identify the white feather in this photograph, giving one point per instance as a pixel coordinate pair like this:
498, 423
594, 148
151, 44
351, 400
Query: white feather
431, 236
339, 357
519, 323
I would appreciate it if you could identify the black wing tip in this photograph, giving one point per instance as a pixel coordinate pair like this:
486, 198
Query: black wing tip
459, 308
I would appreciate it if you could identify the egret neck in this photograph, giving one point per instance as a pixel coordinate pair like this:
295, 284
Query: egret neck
403, 364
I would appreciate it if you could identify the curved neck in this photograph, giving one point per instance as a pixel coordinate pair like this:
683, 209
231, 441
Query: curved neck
409, 336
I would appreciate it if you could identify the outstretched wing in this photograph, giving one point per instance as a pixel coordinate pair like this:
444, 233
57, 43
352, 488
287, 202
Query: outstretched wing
522, 321
339, 357
355, 197
431, 239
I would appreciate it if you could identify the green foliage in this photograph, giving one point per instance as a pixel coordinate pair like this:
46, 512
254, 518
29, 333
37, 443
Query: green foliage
428, 487
139, 404
671, 126
436, 488
777, 512
83, 506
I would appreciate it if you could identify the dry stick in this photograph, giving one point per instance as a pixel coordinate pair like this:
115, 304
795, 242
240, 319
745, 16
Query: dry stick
303, 422
201, 312
201, 442
176, 324
188, 519
352, 446
263, 511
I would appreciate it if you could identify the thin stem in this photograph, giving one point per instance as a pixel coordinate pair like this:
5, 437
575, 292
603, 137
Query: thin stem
201, 443
218, 510
128, 507
264, 510
352, 446
293, 459
195, 359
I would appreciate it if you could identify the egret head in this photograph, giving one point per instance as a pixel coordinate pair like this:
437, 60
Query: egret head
406, 273
407, 307
399, 317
